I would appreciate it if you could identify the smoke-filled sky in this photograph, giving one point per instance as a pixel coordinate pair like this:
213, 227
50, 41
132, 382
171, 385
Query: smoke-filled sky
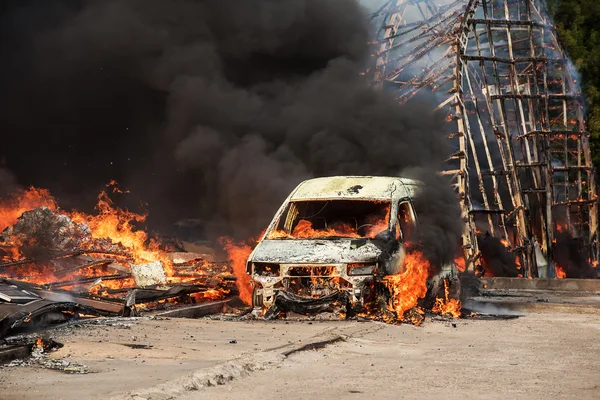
203, 109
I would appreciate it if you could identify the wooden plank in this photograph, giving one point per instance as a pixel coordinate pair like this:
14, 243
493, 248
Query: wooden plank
197, 310
13, 294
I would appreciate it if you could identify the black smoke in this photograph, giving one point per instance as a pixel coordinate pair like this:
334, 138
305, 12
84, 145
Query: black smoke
8, 182
570, 256
498, 261
204, 109
438, 213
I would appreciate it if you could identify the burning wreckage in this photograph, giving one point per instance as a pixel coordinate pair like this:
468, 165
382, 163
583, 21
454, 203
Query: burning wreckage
340, 244
348, 243
521, 166
58, 265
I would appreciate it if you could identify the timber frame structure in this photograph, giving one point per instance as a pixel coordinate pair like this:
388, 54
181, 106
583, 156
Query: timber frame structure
522, 166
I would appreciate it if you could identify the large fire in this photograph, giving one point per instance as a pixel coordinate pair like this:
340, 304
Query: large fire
113, 243
111, 239
119, 226
410, 285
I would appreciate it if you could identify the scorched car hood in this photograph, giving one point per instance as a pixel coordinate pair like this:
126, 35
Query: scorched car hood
316, 251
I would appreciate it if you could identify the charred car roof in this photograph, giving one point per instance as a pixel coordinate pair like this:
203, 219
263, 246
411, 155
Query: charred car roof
355, 188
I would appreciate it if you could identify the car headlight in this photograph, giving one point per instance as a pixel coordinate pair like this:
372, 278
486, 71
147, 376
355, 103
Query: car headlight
361, 268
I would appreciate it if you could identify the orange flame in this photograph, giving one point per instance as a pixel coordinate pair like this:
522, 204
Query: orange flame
409, 286
375, 224
560, 272
110, 225
118, 225
461, 264
447, 306
14, 206
304, 230
238, 255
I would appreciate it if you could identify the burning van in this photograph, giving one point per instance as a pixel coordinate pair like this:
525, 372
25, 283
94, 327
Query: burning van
334, 239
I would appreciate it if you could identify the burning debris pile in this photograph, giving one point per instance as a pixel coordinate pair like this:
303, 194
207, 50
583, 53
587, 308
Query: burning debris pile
56, 265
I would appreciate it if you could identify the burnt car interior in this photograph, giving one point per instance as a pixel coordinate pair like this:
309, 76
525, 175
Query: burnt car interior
340, 218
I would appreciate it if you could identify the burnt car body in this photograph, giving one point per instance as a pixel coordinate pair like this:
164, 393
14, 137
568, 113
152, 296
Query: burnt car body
340, 234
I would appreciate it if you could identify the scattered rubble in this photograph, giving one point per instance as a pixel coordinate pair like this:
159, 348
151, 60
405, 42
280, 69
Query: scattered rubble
39, 357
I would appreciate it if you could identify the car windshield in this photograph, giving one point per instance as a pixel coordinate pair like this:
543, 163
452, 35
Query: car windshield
331, 219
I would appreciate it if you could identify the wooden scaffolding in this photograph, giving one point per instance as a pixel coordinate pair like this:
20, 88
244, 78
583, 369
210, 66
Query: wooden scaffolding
522, 166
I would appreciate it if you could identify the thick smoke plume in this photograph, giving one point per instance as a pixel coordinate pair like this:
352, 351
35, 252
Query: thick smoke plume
497, 259
206, 109
570, 256
438, 213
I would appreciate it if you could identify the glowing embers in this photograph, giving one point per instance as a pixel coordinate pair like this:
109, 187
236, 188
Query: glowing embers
313, 281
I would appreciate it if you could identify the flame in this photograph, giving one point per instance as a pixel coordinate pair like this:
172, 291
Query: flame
238, 255
375, 224
118, 225
560, 272
410, 285
461, 264
304, 230
114, 236
14, 206
210, 294
447, 306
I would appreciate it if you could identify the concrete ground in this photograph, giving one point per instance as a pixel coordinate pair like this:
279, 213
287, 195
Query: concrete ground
537, 356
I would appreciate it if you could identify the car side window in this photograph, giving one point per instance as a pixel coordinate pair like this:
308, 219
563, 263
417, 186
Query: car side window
407, 223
